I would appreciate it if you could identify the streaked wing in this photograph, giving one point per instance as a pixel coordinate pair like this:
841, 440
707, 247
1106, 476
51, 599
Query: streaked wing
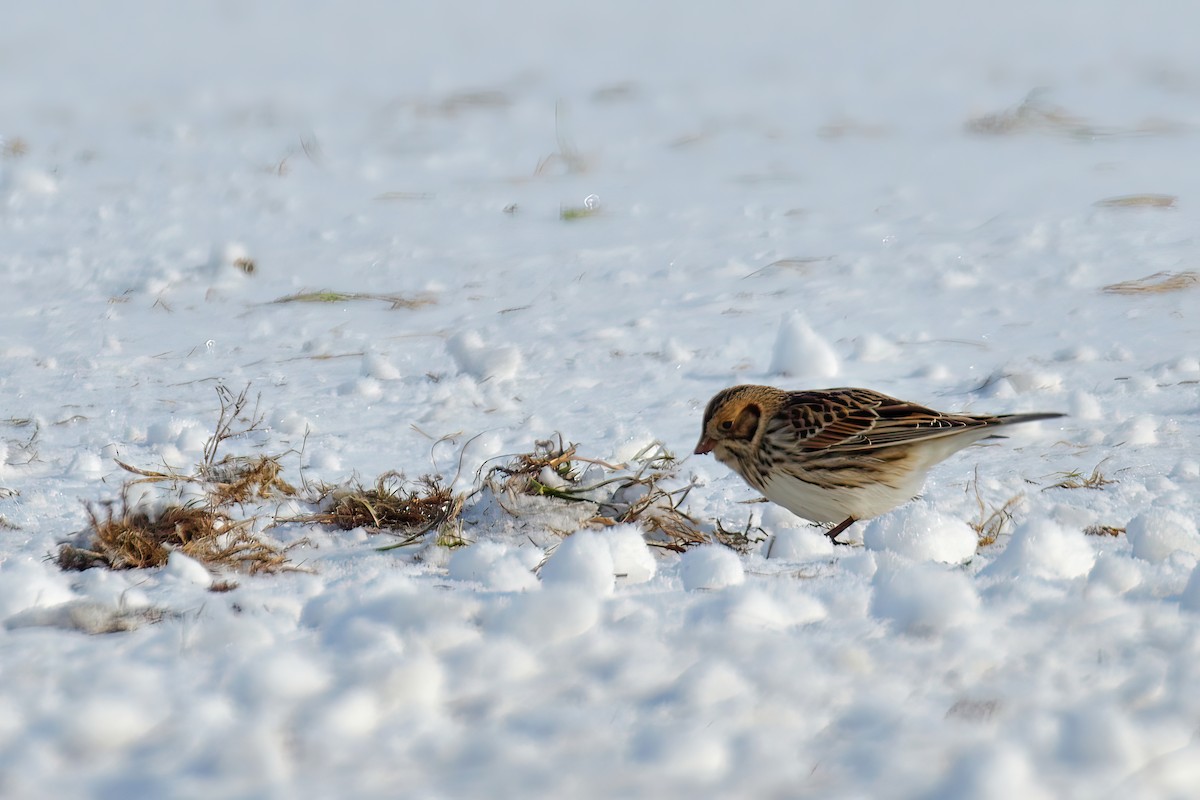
860, 419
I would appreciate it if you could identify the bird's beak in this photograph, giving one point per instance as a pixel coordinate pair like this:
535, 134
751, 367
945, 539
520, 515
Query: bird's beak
705, 445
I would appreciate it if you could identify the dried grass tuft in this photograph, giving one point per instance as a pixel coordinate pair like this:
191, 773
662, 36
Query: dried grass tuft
1074, 479
1102, 530
634, 493
329, 296
238, 479
136, 539
395, 505
1138, 201
1035, 115
992, 519
1158, 283
122, 537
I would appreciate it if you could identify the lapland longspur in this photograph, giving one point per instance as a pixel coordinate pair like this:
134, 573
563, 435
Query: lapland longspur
838, 455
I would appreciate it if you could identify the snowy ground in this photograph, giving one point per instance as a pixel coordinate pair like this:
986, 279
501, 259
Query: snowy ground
834, 162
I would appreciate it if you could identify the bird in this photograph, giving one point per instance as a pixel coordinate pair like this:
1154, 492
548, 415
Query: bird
837, 455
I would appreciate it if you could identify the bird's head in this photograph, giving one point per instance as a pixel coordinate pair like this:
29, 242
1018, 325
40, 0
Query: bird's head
732, 418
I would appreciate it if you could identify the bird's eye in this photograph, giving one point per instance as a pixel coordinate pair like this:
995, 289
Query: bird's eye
727, 425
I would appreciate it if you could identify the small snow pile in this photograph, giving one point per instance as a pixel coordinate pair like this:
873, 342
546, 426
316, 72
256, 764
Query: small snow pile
1190, 599
800, 352
710, 567
496, 565
378, 367
1114, 573
85, 616
1044, 549
480, 360
922, 534
997, 772
923, 599
750, 607
792, 538
557, 613
185, 569
1159, 532
797, 544
631, 557
1098, 737
583, 560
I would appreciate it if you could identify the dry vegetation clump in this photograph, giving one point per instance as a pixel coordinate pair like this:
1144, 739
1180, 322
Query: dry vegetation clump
329, 296
634, 493
1158, 283
1075, 479
128, 537
1103, 530
1138, 201
992, 519
1035, 114
409, 509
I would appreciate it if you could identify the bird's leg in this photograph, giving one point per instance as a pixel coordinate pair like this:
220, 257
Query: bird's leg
833, 532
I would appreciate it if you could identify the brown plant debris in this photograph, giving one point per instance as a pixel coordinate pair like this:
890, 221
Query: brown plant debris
233, 479
1158, 283
1138, 201
1035, 115
1032, 114
633, 493
743, 540
123, 537
128, 538
394, 505
992, 519
329, 296
1074, 479
1103, 530
237, 479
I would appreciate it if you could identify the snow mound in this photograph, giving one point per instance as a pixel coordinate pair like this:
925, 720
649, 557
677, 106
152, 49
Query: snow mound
1190, 599
555, 614
480, 360
710, 566
496, 565
923, 599
584, 560
997, 772
187, 570
85, 616
923, 534
631, 557
797, 544
1115, 574
801, 352
750, 607
1044, 549
1160, 532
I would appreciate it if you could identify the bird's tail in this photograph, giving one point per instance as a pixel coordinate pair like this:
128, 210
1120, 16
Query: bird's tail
1017, 419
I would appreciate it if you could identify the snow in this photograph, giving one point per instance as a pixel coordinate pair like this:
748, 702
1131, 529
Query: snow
907, 197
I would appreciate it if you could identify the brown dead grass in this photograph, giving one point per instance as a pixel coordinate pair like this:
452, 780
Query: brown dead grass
992, 520
1158, 283
126, 538
396, 301
1103, 530
1035, 114
633, 493
1074, 479
395, 505
1138, 201
123, 537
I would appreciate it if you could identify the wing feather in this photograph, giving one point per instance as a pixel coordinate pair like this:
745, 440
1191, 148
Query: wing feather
860, 419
